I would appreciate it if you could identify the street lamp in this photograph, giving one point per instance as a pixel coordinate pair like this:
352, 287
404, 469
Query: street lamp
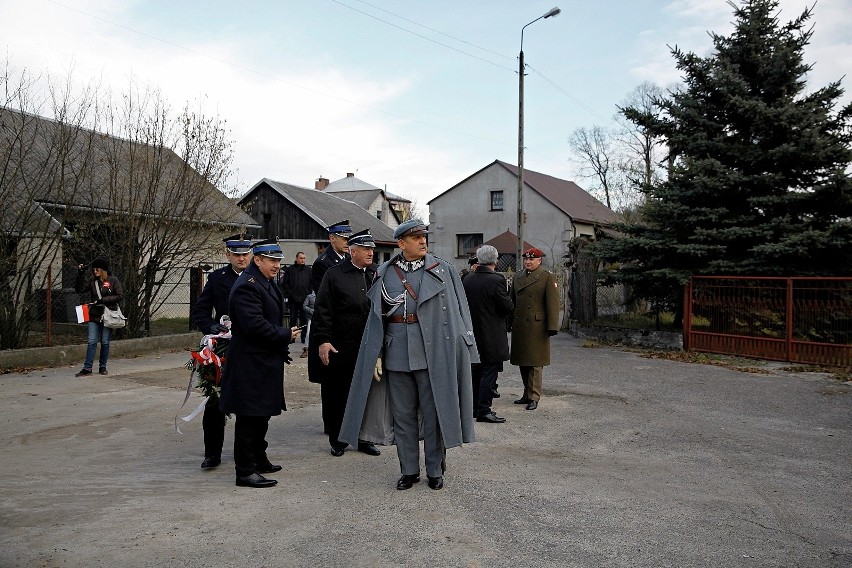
520, 261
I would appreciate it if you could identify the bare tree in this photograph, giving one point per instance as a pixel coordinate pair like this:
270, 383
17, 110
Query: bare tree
122, 177
598, 155
38, 159
643, 151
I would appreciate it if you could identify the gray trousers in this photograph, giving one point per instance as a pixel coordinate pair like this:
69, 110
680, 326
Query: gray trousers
411, 392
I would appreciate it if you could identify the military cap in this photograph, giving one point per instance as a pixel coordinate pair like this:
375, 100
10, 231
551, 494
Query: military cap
533, 252
268, 248
341, 228
412, 227
238, 244
362, 239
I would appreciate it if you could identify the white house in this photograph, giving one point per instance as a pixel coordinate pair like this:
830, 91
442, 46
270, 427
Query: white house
484, 206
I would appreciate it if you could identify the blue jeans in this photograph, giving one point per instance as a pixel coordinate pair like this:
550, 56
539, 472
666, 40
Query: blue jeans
97, 331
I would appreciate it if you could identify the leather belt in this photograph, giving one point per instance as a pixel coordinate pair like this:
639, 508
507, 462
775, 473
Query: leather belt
410, 318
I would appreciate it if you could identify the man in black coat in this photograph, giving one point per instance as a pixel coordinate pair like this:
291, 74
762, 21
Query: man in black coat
211, 305
490, 307
340, 315
335, 253
296, 284
253, 381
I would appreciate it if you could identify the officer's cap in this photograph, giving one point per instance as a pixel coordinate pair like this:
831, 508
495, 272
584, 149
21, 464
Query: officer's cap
268, 248
412, 227
341, 228
238, 244
362, 239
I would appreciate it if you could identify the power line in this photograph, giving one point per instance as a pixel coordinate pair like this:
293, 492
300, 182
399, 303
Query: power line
354, 9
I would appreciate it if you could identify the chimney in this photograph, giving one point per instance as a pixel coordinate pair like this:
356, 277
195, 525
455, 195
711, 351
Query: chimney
321, 183
350, 175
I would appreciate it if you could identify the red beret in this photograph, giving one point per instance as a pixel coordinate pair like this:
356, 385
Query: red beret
533, 253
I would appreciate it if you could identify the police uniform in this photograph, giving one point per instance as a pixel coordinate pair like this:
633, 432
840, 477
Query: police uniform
252, 384
340, 314
330, 257
211, 305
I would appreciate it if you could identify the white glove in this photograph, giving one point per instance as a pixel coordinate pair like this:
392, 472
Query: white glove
377, 372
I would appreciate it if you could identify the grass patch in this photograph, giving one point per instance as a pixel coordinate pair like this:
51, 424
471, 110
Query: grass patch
629, 320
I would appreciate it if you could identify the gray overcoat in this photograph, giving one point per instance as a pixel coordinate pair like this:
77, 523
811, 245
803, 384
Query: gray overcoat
444, 320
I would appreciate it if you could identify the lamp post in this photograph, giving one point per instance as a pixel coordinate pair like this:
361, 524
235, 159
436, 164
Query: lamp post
520, 249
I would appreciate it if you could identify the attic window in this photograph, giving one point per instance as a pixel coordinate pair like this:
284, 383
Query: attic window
497, 200
379, 214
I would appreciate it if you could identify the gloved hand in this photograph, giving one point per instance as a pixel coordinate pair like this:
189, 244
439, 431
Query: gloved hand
377, 372
552, 332
218, 328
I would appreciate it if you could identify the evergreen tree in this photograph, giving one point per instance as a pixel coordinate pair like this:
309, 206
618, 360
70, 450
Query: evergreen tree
759, 168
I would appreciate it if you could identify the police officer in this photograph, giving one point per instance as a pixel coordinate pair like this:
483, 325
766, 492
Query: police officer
252, 384
212, 304
340, 314
336, 251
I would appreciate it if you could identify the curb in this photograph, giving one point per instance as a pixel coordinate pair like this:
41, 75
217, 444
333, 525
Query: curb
75, 354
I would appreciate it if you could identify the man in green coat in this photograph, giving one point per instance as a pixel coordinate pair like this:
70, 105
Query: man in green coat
536, 297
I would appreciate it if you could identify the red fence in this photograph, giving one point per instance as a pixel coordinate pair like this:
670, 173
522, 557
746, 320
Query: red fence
802, 320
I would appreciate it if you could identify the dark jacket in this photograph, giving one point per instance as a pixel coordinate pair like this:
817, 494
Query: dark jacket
253, 380
490, 307
111, 293
325, 261
296, 283
340, 314
213, 299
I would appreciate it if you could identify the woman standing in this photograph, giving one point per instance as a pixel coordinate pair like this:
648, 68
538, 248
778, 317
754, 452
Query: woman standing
105, 290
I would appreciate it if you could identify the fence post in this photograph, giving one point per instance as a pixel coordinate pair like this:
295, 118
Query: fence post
789, 334
687, 313
49, 322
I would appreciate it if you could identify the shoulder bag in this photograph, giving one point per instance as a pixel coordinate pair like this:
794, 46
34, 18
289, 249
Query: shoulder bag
112, 319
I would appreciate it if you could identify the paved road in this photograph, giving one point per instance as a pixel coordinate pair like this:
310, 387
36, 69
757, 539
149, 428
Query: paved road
627, 462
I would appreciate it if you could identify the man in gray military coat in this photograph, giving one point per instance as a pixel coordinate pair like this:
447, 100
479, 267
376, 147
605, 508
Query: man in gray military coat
418, 338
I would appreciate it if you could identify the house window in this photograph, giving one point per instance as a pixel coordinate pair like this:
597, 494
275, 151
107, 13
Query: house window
467, 244
496, 200
379, 214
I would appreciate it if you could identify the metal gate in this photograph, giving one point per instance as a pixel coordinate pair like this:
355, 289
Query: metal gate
797, 319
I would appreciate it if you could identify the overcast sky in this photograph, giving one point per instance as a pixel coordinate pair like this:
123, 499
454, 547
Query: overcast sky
410, 95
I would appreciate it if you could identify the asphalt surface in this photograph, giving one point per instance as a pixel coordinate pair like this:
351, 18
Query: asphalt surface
628, 461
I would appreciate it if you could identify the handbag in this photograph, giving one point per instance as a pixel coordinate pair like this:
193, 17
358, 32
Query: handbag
112, 319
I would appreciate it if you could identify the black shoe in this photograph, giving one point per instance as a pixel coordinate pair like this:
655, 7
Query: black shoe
103, 371
523, 400
436, 482
369, 449
494, 393
255, 480
490, 417
407, 481
211, 461
337, 451
83, 373
268, 468
532, 405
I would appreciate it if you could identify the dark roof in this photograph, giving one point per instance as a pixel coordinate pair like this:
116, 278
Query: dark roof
506, 243
566, 195
326, 208
363, 197
103, 173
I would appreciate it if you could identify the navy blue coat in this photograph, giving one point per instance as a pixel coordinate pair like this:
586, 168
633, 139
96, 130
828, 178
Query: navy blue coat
213, 299
321, 265
253, 380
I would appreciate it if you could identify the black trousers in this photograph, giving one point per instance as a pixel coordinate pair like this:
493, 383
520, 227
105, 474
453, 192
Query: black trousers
334, 393
484, 383
297, 314
250, 443
213, 424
